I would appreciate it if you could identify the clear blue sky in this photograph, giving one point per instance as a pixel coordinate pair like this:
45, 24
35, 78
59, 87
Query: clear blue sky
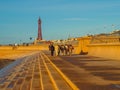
60, 18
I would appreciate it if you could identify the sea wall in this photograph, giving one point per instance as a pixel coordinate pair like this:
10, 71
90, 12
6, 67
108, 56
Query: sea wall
111, 51
82, 47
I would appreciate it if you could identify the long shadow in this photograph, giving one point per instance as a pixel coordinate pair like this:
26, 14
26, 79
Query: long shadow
96, 70
87, 86
108, 75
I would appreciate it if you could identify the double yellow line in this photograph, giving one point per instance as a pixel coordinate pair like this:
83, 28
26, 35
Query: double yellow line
70, 83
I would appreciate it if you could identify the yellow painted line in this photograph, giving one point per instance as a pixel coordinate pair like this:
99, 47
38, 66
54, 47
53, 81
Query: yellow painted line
50, 75
70, 83
32, 77
41, 81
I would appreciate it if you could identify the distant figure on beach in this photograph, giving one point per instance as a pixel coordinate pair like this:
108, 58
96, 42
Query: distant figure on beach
14, 46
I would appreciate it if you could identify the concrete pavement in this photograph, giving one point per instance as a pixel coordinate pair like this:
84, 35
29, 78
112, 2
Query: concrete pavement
40, 71
34, 72
88, 72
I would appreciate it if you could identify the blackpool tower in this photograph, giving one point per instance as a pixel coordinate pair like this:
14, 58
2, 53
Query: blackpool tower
39, 30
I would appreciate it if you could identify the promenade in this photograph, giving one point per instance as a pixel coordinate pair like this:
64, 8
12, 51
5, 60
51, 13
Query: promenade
33, 72
40, 71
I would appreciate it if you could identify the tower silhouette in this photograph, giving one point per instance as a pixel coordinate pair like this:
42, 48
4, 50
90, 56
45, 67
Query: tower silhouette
39, 30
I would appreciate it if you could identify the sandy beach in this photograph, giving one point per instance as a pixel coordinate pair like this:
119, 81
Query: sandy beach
9, 56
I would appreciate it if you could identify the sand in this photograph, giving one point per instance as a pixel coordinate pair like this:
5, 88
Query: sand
9, 56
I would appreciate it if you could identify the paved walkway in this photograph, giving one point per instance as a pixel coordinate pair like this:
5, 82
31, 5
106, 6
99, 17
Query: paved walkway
40, 71
88, 72
34, 72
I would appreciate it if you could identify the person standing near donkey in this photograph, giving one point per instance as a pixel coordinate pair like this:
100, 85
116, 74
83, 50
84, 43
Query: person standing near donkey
52, 49
70, 49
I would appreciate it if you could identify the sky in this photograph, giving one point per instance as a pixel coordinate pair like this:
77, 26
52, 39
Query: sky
60, 18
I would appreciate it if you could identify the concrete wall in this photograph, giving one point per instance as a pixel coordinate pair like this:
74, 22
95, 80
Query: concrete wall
111, 51
106, 50
82, 46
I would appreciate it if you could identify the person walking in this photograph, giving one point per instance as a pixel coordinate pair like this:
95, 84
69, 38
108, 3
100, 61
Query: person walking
70, 49
66, 49
62, 49
57, 50
52, 49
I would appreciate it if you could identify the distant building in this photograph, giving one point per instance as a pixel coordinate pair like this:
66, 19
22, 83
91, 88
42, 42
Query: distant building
115, 33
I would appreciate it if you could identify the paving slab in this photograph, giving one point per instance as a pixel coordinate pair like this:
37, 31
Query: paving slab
89, 72
33, 72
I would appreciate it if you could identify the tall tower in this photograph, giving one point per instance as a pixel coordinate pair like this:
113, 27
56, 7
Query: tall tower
39, 30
